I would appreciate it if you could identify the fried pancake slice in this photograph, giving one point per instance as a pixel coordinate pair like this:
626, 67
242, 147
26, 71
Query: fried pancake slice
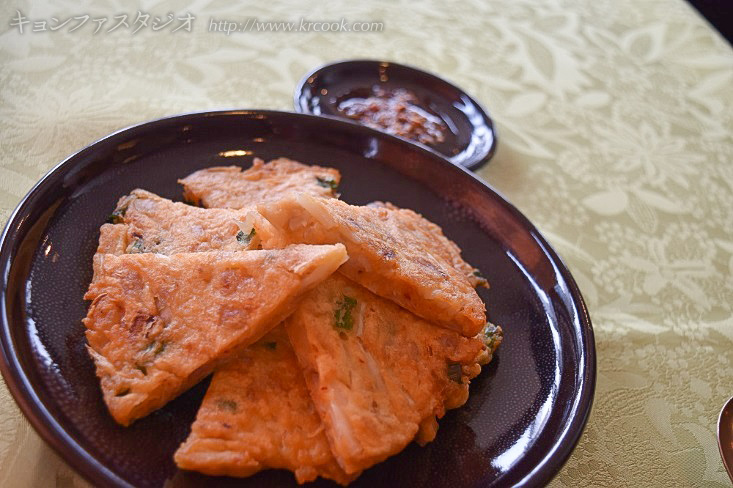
156, 224
231, 187
113, 239
254, 435
388, 254
430, 233
159, 324
378, 374
258, 414
146, 222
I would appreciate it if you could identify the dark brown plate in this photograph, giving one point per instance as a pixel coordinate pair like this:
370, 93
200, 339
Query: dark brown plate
526, 410
470, 140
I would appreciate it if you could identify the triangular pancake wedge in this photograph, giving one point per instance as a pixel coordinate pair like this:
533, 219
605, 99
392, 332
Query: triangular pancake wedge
231, 187
156, 224
431, 236
388, 254
158, 324
249, 446
258, 414
145, 222
378, 374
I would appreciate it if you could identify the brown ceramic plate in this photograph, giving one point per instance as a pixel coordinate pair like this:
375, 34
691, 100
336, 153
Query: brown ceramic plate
526, 410
470, 136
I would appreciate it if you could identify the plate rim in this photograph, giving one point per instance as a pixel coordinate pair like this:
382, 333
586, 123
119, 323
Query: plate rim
56, 435
470, 163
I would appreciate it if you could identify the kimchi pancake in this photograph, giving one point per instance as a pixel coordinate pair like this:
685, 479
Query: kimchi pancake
158, 324
156, 224
258, 414
378, 374
432, 237
388, 255
232, 187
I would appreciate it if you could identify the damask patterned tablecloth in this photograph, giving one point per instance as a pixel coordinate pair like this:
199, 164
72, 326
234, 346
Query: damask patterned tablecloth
616, 139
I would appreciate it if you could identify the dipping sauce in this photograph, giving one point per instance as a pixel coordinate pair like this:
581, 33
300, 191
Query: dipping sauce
397, 112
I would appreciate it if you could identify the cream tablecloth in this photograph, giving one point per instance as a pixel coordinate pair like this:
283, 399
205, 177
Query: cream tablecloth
615, 122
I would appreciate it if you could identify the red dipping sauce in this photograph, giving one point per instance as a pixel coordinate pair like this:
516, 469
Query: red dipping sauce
396, 112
